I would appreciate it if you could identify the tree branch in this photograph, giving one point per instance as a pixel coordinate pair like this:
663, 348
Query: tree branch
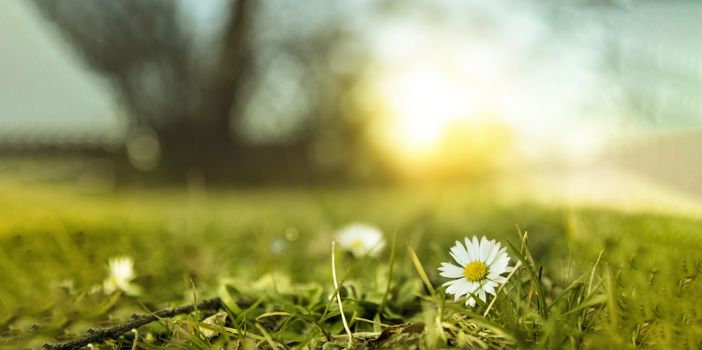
99, 335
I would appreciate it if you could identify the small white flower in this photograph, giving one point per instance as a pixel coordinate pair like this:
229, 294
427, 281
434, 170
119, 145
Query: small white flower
480, 266
121, 276
361, 239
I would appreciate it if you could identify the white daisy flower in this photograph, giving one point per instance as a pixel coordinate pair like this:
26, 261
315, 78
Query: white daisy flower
361, 239
481, 265
121, 276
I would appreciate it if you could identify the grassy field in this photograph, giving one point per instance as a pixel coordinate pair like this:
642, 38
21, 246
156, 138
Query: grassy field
266, 254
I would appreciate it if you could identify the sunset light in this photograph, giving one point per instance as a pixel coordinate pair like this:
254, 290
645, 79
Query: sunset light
423, 101
430, 99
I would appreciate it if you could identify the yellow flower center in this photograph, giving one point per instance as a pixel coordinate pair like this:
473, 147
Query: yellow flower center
357, 244
475, 271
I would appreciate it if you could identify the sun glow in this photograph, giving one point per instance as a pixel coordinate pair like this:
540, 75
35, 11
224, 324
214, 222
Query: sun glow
432, 116
422, 102
506, 89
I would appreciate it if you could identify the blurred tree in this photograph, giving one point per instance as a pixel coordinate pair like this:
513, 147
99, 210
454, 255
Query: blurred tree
144, 51
182, 107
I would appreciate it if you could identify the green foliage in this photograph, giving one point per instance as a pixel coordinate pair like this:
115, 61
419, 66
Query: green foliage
588, 278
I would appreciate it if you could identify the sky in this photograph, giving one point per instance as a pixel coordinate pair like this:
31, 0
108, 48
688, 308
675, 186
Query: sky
45, 91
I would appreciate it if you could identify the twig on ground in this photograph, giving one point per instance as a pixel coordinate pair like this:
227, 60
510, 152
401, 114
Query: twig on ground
98, 335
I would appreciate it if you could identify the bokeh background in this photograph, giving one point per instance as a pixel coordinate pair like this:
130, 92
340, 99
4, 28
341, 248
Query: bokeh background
591, 100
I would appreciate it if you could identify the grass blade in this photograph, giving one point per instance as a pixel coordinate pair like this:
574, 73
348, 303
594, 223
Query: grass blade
420, 270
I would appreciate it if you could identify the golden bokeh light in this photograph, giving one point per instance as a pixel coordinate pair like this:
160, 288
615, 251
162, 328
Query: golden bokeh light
422, 101
431, 120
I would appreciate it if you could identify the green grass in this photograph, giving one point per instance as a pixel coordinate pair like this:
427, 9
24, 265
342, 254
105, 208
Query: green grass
267, 254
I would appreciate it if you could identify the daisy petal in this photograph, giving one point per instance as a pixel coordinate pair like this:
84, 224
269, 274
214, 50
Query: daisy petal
473, 286
481, 295
489, 287
476, 247
459, 287
451, 282
470, 249
458, 252
502, 254
484, 249
499, 266
493, 253
450, 271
